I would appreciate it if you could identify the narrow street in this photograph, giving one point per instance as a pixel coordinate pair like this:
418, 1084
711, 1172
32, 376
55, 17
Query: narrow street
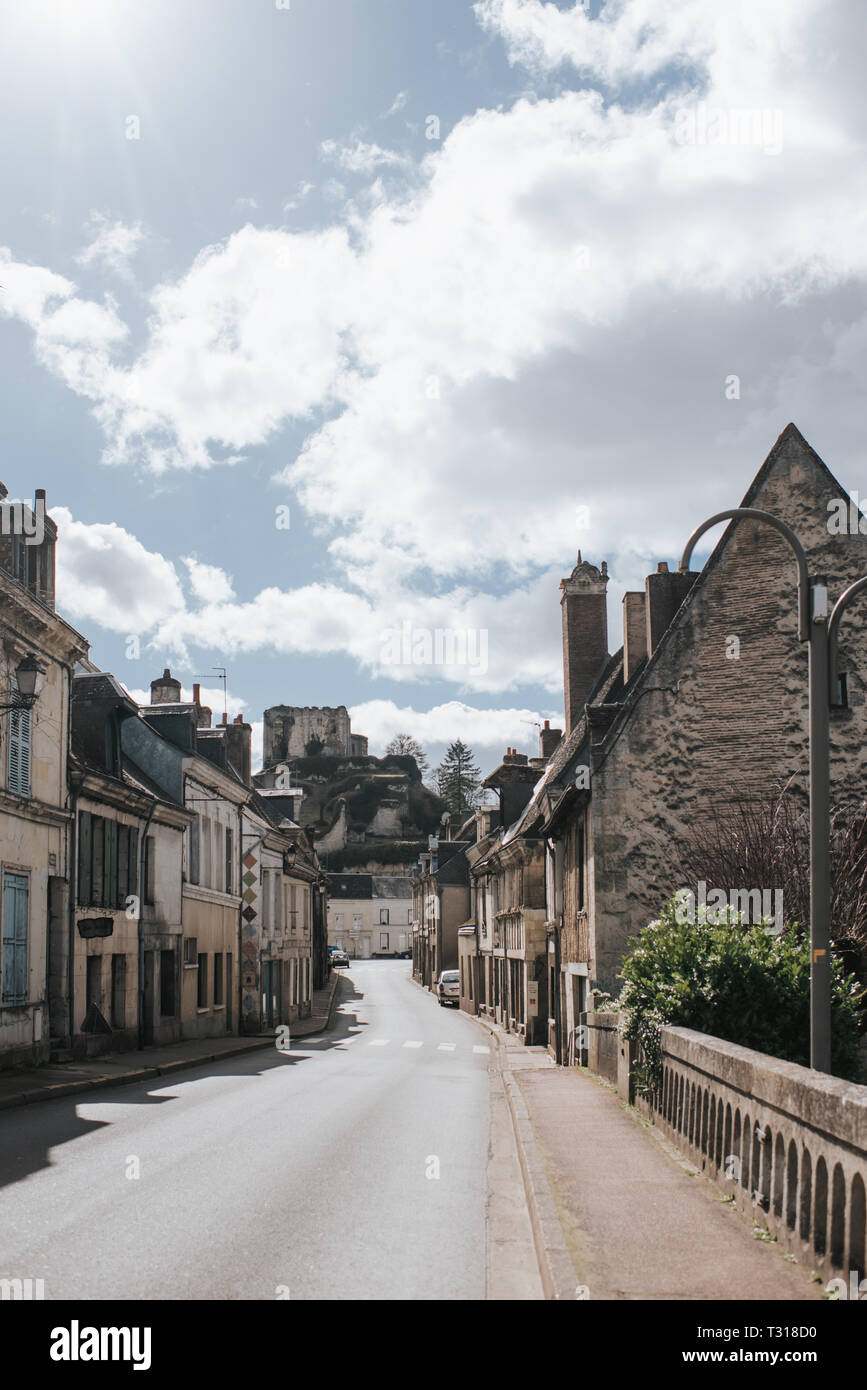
300, 1175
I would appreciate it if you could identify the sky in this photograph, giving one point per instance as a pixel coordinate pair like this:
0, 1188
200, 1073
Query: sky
332, 325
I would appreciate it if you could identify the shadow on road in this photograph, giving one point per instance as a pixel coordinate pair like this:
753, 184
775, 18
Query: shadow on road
29, 1133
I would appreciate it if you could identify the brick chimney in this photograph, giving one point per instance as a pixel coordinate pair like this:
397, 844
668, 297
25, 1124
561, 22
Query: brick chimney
634, 633
664, 593
166, 690
585, 634
548, 739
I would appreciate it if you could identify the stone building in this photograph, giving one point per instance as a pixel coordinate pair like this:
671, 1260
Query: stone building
207, 770
370, 915
507, 980
305, 731
118, 968
281, 881
704, 705
440, 907
35, 819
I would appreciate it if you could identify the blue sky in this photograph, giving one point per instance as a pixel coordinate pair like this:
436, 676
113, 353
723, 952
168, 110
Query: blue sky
451, 361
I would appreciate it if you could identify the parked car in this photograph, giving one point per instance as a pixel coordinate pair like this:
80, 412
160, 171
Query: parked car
339, 957
449, 988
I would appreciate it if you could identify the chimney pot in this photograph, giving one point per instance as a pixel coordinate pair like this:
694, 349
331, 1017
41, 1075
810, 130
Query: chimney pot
225, 718
662, 567
197, 689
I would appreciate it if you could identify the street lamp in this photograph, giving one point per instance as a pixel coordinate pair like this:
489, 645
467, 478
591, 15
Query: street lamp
814, 627
29, 676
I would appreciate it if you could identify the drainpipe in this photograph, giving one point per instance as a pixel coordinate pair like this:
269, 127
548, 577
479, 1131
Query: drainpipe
74, 788
142, 888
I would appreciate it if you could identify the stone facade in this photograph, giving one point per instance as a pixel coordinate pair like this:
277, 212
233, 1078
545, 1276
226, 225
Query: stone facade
301, 731
717, 712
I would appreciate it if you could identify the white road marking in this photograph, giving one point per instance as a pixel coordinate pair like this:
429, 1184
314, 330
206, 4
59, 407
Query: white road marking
379, 1042
477, 1048
413, 1044
446, 1047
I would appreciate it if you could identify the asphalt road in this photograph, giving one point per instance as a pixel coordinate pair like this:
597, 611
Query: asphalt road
308, 1174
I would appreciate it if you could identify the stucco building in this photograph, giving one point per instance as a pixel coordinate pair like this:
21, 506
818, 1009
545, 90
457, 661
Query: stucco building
35, 819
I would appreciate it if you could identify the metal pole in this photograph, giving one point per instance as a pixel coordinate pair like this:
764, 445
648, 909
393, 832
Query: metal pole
820, 833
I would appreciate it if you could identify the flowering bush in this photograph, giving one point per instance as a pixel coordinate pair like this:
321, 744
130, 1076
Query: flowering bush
741, 983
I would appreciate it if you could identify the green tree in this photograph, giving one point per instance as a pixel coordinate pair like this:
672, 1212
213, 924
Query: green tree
458, 778
405, 746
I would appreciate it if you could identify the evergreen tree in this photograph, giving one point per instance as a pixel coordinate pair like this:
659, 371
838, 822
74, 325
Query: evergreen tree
458, 778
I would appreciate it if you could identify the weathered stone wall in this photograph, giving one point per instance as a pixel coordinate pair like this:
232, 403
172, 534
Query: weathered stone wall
296, 731
715, 727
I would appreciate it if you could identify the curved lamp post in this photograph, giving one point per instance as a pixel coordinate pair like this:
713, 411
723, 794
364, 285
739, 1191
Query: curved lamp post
815, 628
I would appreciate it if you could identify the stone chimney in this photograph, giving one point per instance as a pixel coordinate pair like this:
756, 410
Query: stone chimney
548, 739
585, 634
166, 690
664, 593
634, 633
238, 747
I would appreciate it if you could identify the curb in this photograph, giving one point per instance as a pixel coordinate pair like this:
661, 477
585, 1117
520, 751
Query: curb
96, 1083
556, 1269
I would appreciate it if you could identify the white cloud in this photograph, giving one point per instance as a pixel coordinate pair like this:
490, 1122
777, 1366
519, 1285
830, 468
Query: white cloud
542, 318
106, 576
208, 582
362, 158
112, 246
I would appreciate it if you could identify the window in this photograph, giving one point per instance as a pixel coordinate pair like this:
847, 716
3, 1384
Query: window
150, 870
19, 750
409, 916
383, 916
167, 984
338, 921
383, 941
202, 997
356, 921
230, 877
118, 991
305, 894
107, 861
13, 947
191, 950
218, 977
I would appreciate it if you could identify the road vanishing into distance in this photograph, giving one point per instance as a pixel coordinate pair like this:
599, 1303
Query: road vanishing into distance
305, 1174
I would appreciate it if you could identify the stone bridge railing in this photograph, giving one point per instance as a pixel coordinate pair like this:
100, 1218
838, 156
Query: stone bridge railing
788, 1144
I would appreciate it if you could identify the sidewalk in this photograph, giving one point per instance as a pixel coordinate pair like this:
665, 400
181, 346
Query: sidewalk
616, 1213
120, 1068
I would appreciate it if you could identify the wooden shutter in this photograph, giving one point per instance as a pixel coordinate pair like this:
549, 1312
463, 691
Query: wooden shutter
109, 865
194, 851
14, 943
122, 864
19, 751
132, 880
85, 852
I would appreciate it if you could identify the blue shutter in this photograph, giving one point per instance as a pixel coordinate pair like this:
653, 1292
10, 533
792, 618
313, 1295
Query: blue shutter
19, 751
14, 944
